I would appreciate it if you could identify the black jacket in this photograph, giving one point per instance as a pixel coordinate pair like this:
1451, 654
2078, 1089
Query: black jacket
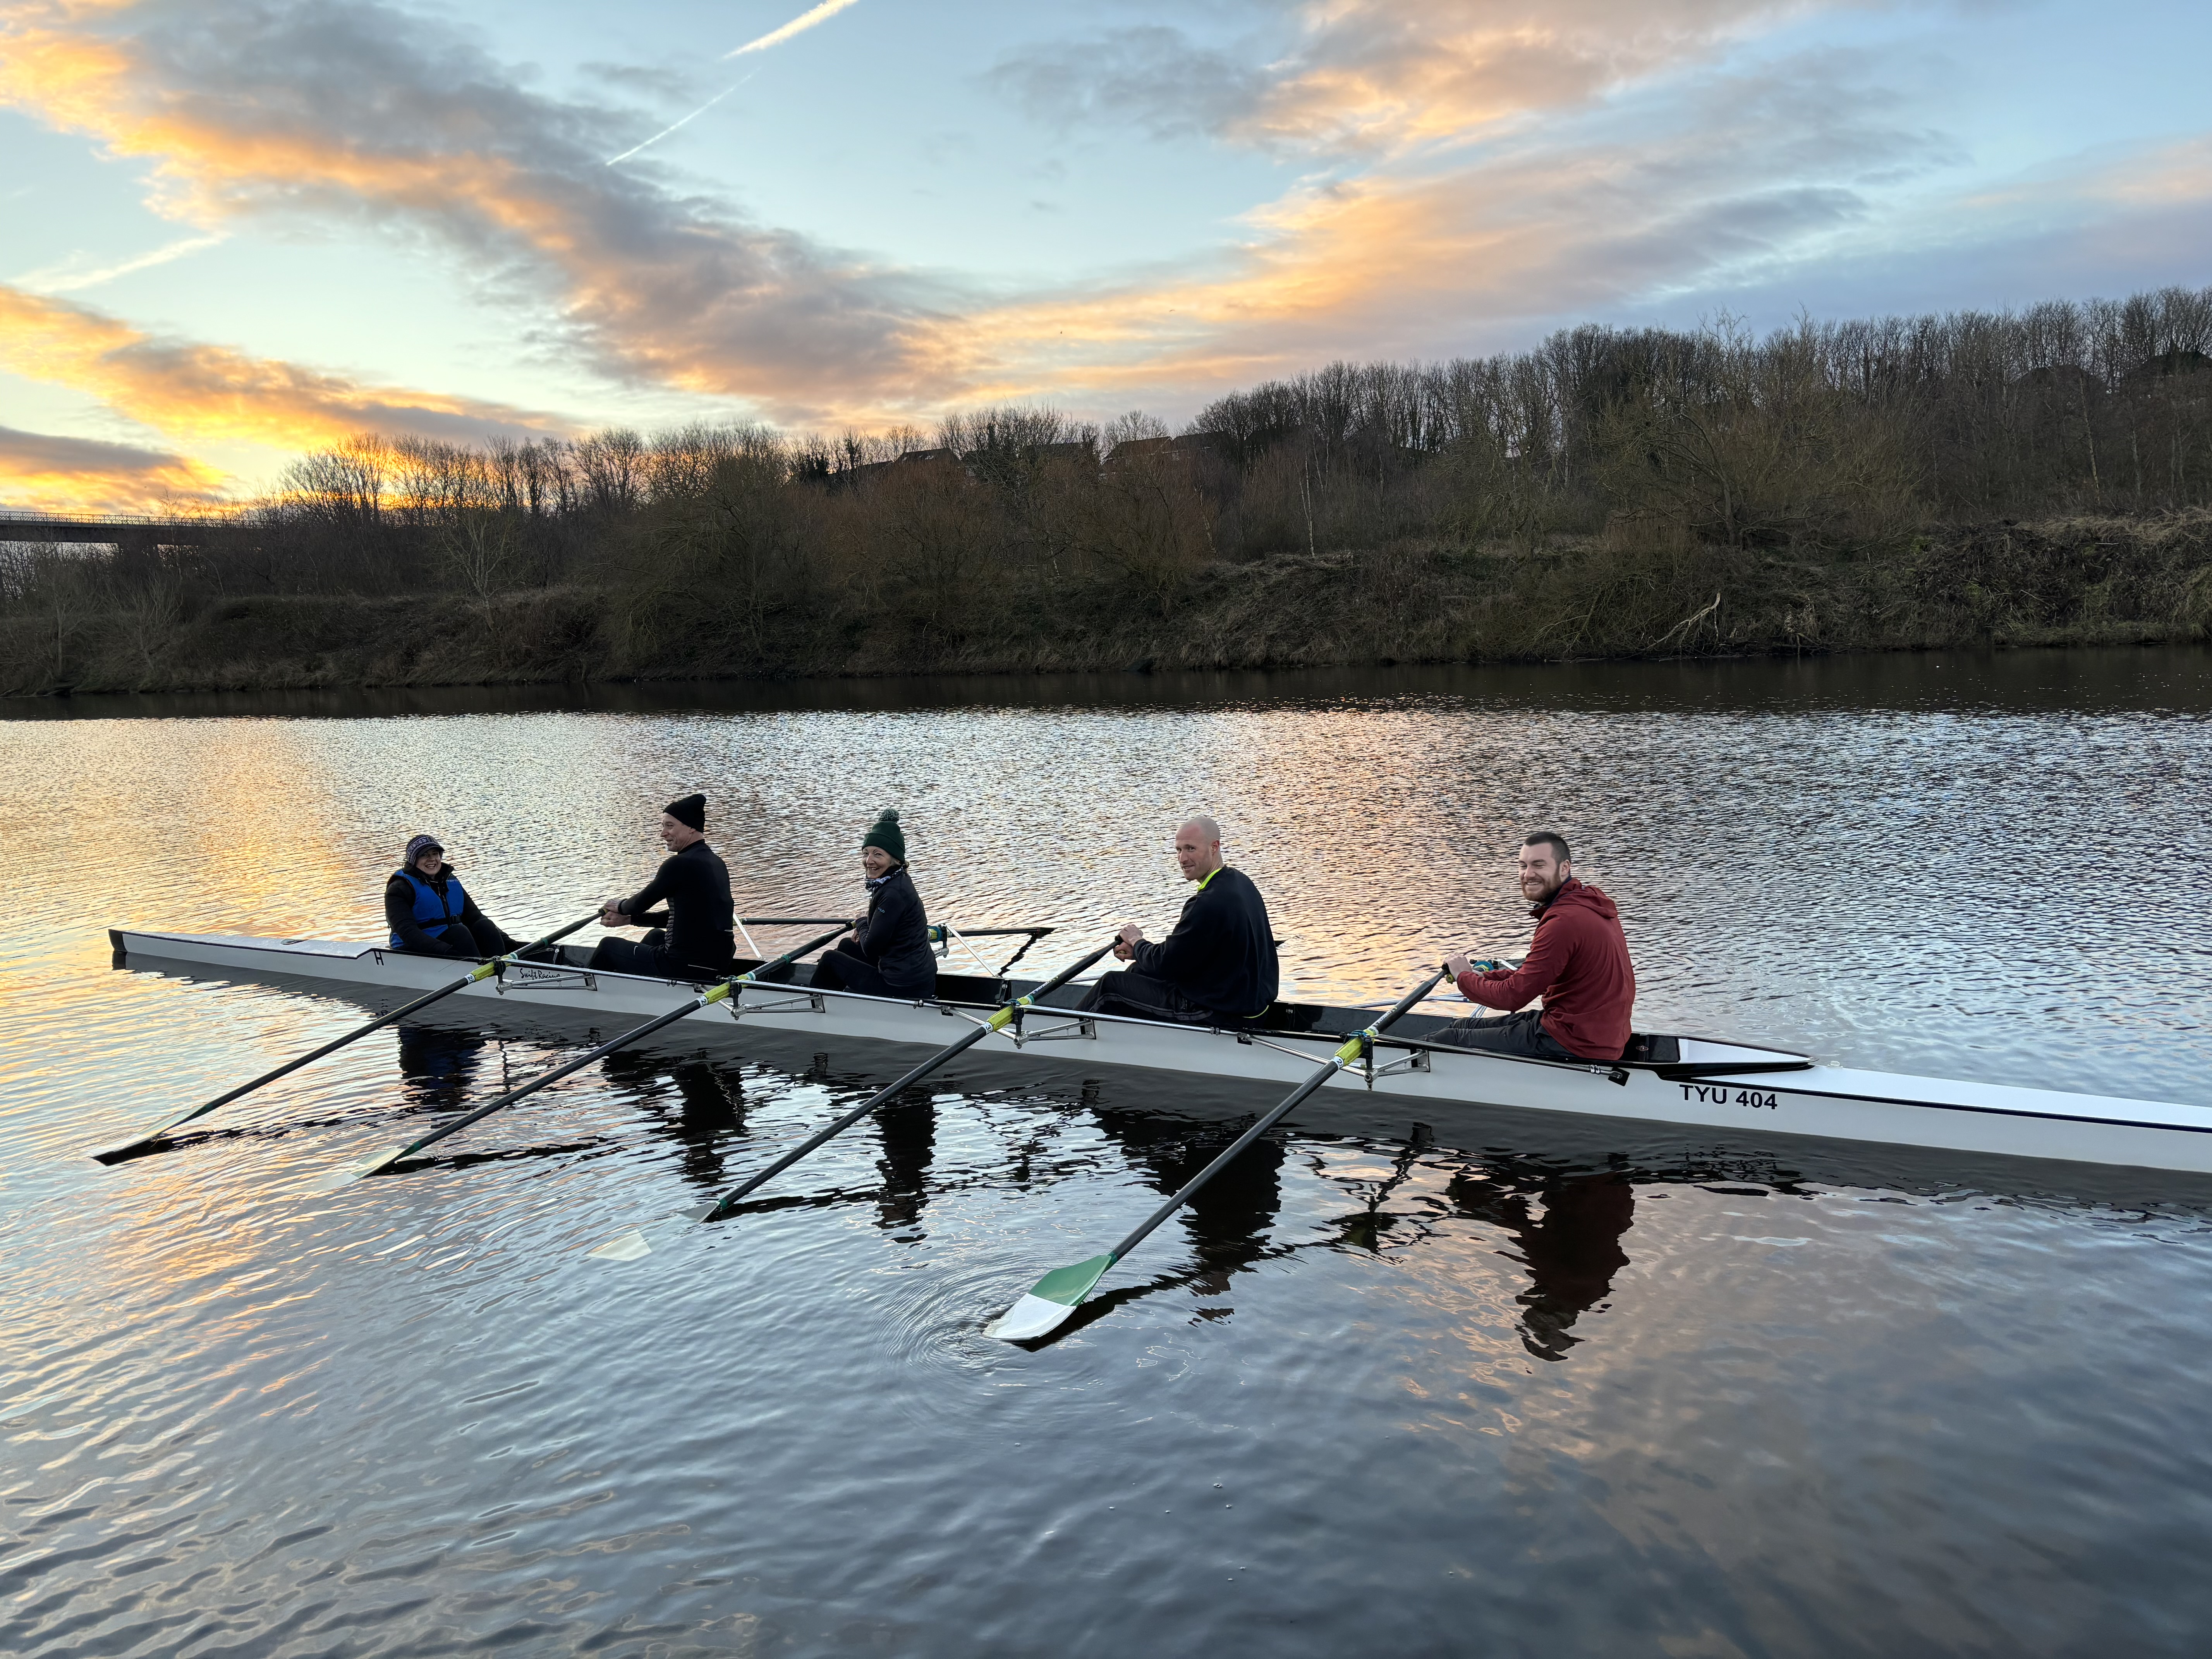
399, 916
701, 919
1222, 953
895, 938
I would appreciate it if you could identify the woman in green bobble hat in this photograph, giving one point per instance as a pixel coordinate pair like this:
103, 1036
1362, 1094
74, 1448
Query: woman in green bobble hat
888, 954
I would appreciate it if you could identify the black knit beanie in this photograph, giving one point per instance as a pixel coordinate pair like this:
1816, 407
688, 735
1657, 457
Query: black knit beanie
691, 810
884, 832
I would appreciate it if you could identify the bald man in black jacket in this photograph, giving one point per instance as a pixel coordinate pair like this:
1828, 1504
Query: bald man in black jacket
1219, 962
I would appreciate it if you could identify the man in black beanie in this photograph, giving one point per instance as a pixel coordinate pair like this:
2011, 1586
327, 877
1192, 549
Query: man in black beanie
700, 942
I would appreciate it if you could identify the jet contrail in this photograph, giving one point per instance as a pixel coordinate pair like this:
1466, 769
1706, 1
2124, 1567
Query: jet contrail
799, 24
672, 127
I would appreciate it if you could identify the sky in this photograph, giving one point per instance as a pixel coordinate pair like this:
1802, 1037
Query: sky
231, 231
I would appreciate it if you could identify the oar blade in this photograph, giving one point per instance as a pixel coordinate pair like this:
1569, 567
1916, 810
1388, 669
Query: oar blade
638, 1242
124, 1151
1049, 1302
346, 1175
628, 1248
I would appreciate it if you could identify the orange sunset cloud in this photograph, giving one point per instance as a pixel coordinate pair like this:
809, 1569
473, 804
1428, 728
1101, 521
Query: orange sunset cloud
55, 474
1465, 170
211, 392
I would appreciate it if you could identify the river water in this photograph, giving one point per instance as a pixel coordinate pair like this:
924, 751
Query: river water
1506, 1390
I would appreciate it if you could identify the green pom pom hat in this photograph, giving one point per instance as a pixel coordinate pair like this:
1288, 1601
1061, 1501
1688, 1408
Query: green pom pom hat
884, 832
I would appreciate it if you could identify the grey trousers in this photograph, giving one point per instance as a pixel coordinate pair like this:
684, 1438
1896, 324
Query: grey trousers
1522, 1033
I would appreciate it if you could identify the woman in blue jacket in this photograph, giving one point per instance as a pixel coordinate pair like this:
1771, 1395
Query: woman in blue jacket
429, 912
888, 954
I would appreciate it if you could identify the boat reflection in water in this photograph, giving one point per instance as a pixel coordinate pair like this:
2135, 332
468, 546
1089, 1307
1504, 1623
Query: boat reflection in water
701, 1104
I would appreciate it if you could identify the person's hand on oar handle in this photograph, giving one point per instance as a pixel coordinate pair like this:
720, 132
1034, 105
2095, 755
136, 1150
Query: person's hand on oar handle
1127, 941
1463, 963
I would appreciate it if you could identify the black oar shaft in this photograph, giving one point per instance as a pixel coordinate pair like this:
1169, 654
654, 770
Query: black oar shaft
838, 1125
952, 1050
728, 987
1298, 1098
823, 921
543, 1080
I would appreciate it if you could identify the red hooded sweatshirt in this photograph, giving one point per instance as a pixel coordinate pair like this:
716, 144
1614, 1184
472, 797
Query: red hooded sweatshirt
1578, 962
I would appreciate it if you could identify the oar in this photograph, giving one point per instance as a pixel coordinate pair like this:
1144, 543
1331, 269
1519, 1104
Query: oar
131, 1148
1053, 1298
632, 1245
717, 993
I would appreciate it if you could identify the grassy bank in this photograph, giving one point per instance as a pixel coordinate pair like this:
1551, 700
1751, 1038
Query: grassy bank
1630, 593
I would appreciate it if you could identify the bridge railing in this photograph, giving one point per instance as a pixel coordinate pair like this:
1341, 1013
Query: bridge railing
28, 518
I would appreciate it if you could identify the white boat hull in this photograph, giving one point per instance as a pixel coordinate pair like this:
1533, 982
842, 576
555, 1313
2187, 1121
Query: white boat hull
1711, 1086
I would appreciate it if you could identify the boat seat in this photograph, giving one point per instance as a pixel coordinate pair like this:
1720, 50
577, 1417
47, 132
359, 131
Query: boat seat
1278, 1016
980, 990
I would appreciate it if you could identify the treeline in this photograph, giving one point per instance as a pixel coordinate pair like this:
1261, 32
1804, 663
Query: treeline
1684, 489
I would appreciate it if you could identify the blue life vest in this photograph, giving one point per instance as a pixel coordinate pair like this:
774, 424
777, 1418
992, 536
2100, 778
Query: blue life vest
429, 909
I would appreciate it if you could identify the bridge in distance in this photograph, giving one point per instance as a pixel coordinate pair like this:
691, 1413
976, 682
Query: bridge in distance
19, 524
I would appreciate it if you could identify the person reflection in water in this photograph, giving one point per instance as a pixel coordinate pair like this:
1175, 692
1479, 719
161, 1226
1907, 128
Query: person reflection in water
1571, 1251
437, 1068
709, 1107
1230, 1219
909, 1132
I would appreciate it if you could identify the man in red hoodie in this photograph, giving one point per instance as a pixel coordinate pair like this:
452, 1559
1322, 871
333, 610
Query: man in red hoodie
1578, 962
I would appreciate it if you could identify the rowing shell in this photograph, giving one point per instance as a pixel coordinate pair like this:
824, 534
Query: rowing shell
1686, 1081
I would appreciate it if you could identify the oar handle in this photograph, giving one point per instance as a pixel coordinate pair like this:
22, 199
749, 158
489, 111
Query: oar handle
1348, 1054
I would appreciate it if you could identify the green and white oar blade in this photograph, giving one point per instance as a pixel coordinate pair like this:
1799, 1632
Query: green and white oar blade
1049, 1302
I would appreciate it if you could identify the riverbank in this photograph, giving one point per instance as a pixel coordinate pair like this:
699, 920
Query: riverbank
1635, 592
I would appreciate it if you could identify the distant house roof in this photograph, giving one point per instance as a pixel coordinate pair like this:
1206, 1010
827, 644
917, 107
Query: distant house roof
1191, 443
933, 457
1130, 448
